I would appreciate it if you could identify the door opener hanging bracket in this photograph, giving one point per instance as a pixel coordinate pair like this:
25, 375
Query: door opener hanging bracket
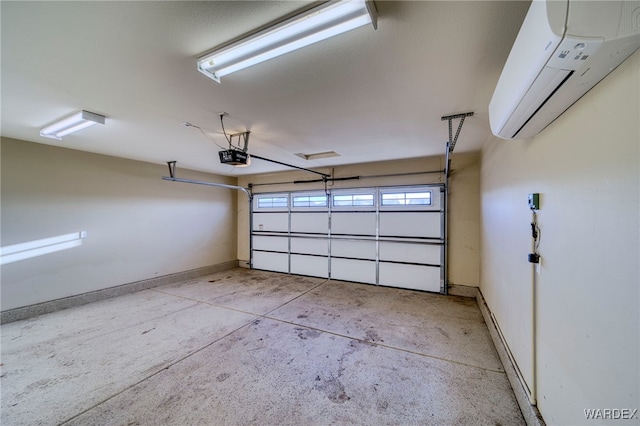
451, 143
243, 141
452, 140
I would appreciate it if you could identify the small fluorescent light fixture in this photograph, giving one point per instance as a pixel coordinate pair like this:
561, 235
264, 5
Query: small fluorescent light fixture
73, 123
317, 24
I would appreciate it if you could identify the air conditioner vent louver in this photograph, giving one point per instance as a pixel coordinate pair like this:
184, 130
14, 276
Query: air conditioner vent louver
543, 103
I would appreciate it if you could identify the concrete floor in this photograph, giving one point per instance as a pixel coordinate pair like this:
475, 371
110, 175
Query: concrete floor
251, 347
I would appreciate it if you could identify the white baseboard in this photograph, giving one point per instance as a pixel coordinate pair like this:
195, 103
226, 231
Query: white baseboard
530, 413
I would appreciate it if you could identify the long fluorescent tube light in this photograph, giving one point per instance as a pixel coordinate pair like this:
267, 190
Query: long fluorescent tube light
73, 123
317, 24
22, 251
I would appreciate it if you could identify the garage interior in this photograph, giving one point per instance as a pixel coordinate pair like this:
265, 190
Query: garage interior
370, 264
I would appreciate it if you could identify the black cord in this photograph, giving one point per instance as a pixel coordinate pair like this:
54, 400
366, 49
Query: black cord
535, 232
224, 131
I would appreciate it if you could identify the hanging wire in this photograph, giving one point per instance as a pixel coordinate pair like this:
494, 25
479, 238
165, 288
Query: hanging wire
187, 124
224, 131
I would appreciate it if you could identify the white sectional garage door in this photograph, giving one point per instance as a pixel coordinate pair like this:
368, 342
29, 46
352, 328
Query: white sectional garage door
391, 236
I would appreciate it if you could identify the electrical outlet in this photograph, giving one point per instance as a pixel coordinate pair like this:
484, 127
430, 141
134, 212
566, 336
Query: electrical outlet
534, 201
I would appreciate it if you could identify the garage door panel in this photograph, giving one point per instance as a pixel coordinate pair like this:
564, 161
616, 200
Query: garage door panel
426, 278
271, 243
314, 223
353, 223
271, 222
278, 262
315, 266
410, 224
390, 236
362, 271
318, 246
354, 249
408, 252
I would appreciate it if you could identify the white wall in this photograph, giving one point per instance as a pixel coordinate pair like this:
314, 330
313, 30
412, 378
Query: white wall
464, 212
138, 226
586, 167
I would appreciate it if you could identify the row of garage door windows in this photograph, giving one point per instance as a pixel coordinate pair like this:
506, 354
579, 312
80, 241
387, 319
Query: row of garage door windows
415, 197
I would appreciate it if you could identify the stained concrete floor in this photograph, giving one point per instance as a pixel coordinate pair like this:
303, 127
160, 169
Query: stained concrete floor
252, 347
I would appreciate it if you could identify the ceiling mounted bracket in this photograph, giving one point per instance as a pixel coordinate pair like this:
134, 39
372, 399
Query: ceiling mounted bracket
243, 141
243, 137
451, 144
172, 168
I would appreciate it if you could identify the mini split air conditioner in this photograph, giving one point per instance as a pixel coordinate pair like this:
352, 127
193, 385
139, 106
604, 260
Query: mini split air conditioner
564, 48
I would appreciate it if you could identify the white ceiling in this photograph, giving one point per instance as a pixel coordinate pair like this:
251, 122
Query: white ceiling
369, 95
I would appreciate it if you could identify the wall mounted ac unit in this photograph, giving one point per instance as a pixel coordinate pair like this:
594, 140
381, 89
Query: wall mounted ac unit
564, 48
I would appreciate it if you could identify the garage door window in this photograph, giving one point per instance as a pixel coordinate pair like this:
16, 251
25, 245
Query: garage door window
273, 202
406, 198
310, 201
352, 200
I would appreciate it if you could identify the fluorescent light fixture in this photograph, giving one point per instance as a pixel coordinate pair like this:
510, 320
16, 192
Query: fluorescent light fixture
22, 251
73, 123
327, 20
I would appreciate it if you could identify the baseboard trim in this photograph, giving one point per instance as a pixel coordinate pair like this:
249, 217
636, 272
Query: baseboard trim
530, 413
26, 312
463, 290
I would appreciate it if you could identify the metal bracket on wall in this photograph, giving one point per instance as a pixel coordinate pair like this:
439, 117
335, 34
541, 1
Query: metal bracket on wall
452, 139
451, 143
